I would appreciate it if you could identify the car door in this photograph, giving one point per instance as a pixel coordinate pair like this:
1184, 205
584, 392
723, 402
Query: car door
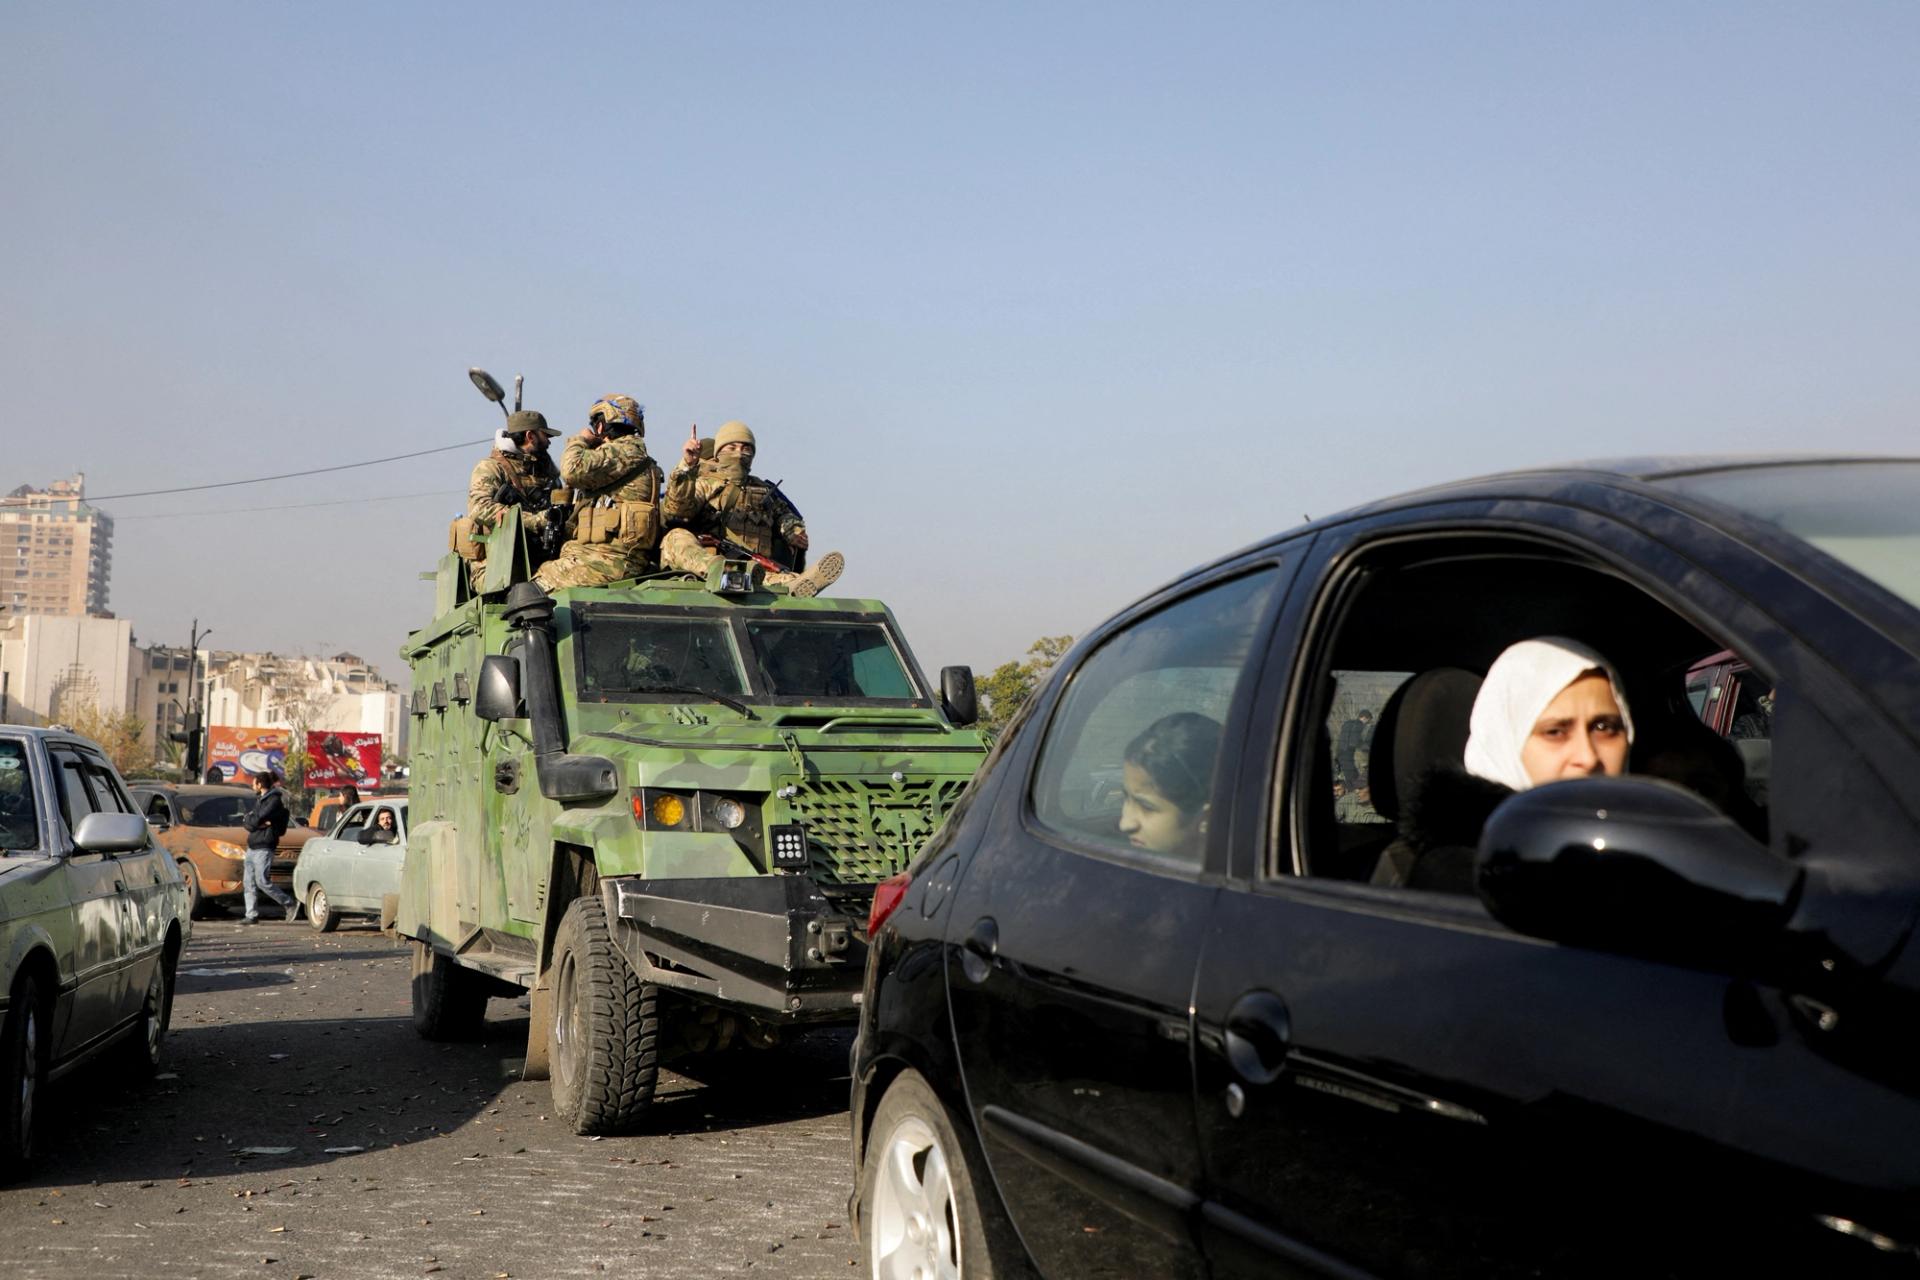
94, 889
378, 871
144, 877
1393, 1080
341, 856
1074, 936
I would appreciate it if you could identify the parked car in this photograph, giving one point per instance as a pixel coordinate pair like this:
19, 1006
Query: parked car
93, 916
199, 824
1659, 1026
351, 869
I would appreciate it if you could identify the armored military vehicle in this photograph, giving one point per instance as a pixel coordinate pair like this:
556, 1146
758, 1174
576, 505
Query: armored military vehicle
660, 807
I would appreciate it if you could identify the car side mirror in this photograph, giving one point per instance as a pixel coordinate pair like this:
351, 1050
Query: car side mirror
957, 696
158, 824
498, 695
1634, 865
366, 835
112, 833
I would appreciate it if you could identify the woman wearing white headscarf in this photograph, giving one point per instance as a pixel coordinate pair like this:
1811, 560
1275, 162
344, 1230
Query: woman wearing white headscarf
1549, 709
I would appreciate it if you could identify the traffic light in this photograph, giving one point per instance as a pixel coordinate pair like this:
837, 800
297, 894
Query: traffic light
190, 736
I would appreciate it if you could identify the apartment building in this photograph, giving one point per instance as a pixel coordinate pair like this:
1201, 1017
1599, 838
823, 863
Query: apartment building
56, 551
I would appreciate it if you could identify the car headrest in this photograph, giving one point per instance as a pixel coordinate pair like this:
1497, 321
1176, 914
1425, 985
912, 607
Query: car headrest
1423, 725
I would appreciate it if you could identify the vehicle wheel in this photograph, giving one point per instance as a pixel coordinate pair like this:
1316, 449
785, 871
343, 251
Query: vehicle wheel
319, 911
603, 1044
919, 1207
23, 1069
449, 1000
156, 1014
196, 900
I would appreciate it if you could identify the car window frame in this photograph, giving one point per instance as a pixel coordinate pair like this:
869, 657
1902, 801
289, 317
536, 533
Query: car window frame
1283, 561
58, 755
45, 817
1601, 538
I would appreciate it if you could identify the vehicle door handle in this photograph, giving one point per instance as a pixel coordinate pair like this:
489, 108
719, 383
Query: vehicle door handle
978, 949
1259, 1034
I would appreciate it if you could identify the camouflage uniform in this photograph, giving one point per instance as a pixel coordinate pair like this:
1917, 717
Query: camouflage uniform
616, 521
529, 475
722, 499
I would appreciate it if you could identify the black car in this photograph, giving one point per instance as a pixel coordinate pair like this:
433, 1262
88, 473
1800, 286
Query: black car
1665, 1023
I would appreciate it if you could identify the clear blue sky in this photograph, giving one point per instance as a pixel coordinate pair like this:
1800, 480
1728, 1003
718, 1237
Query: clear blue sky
1032, 306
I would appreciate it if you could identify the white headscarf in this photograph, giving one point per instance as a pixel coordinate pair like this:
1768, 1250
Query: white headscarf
1520, 684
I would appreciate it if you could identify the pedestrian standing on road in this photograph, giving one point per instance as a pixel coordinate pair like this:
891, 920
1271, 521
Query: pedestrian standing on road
266, 822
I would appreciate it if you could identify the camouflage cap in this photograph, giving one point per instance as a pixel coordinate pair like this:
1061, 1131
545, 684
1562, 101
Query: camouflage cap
620, 410
734, 433
529, 420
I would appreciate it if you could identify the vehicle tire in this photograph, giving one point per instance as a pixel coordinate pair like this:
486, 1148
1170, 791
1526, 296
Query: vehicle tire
23, 1072
196, 899
603, 1042
156, 1015
919, 1201
320, 913
449, 1000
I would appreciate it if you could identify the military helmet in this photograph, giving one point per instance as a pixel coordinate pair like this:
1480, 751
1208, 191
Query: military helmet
529, 420
733, 433
619, 411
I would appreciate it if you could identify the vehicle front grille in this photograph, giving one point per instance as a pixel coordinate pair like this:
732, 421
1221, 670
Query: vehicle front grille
862, 830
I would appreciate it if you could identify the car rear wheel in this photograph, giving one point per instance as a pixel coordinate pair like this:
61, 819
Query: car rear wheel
920, 1210
320, 912
23, 1068
603, 1042
156, 1014
449, 1000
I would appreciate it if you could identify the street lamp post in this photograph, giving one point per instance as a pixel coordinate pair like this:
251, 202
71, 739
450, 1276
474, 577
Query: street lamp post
193, 735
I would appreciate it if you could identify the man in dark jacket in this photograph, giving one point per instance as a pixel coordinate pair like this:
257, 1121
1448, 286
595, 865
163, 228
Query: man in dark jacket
266, 822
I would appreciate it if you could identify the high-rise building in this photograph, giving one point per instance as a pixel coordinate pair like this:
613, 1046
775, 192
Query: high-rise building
55, 551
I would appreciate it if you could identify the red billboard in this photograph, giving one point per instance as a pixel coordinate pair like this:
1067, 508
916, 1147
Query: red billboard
343, 759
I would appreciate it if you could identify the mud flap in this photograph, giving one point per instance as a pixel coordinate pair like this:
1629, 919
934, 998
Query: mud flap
539, 1015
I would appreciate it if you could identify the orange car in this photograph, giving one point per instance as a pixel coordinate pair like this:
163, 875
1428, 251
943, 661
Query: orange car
200, 826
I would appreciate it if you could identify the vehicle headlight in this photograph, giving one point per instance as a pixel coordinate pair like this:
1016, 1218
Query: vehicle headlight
227, 849
729, 813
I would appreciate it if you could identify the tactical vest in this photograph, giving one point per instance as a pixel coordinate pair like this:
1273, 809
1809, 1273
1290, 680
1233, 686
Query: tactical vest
626, 516
746, 511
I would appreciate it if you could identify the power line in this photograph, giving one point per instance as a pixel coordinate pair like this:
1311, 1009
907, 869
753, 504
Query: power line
298, 506
285, 475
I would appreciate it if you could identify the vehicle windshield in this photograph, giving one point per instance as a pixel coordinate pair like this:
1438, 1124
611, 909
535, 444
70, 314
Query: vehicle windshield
1864, 514
213, 811
829, 660
19, 818
633, 657
626, 656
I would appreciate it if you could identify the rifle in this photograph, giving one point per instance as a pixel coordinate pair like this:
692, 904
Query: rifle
733, 550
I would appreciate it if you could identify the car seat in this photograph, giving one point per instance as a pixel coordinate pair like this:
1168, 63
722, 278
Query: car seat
1423, 727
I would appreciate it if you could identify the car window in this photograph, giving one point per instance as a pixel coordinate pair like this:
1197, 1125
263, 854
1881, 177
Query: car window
1380, 790
157, 808
222, 809
108, 791
394, 835
19, 814
349, 828
70, 783
1129, 759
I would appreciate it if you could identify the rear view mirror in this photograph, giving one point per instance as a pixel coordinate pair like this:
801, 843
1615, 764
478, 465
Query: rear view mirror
498, 695
957, 696
1633, 865
112, 833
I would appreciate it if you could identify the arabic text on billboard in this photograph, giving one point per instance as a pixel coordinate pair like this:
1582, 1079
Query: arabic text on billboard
238, 752
343, 759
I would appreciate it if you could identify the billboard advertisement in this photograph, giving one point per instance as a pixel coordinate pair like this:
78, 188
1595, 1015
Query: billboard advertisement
336, 759
237, 752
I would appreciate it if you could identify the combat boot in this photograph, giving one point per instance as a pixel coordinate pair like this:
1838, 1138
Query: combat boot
814, 580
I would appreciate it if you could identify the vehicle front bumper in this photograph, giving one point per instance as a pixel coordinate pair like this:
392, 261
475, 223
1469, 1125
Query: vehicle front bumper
773, 943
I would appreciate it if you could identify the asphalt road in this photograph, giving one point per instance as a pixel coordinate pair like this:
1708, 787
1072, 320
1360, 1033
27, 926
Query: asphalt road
378, 1154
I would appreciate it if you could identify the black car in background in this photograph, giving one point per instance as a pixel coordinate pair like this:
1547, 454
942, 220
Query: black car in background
1666, 1024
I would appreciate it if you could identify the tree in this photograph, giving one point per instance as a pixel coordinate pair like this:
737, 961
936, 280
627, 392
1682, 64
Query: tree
117, 734
1011, 683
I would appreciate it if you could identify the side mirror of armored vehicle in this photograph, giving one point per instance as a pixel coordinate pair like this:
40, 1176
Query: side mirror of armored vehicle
957, 695
488, 387
498, 697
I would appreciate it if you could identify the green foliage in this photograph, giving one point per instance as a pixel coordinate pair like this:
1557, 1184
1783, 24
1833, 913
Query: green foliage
118, 736
1011, 683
